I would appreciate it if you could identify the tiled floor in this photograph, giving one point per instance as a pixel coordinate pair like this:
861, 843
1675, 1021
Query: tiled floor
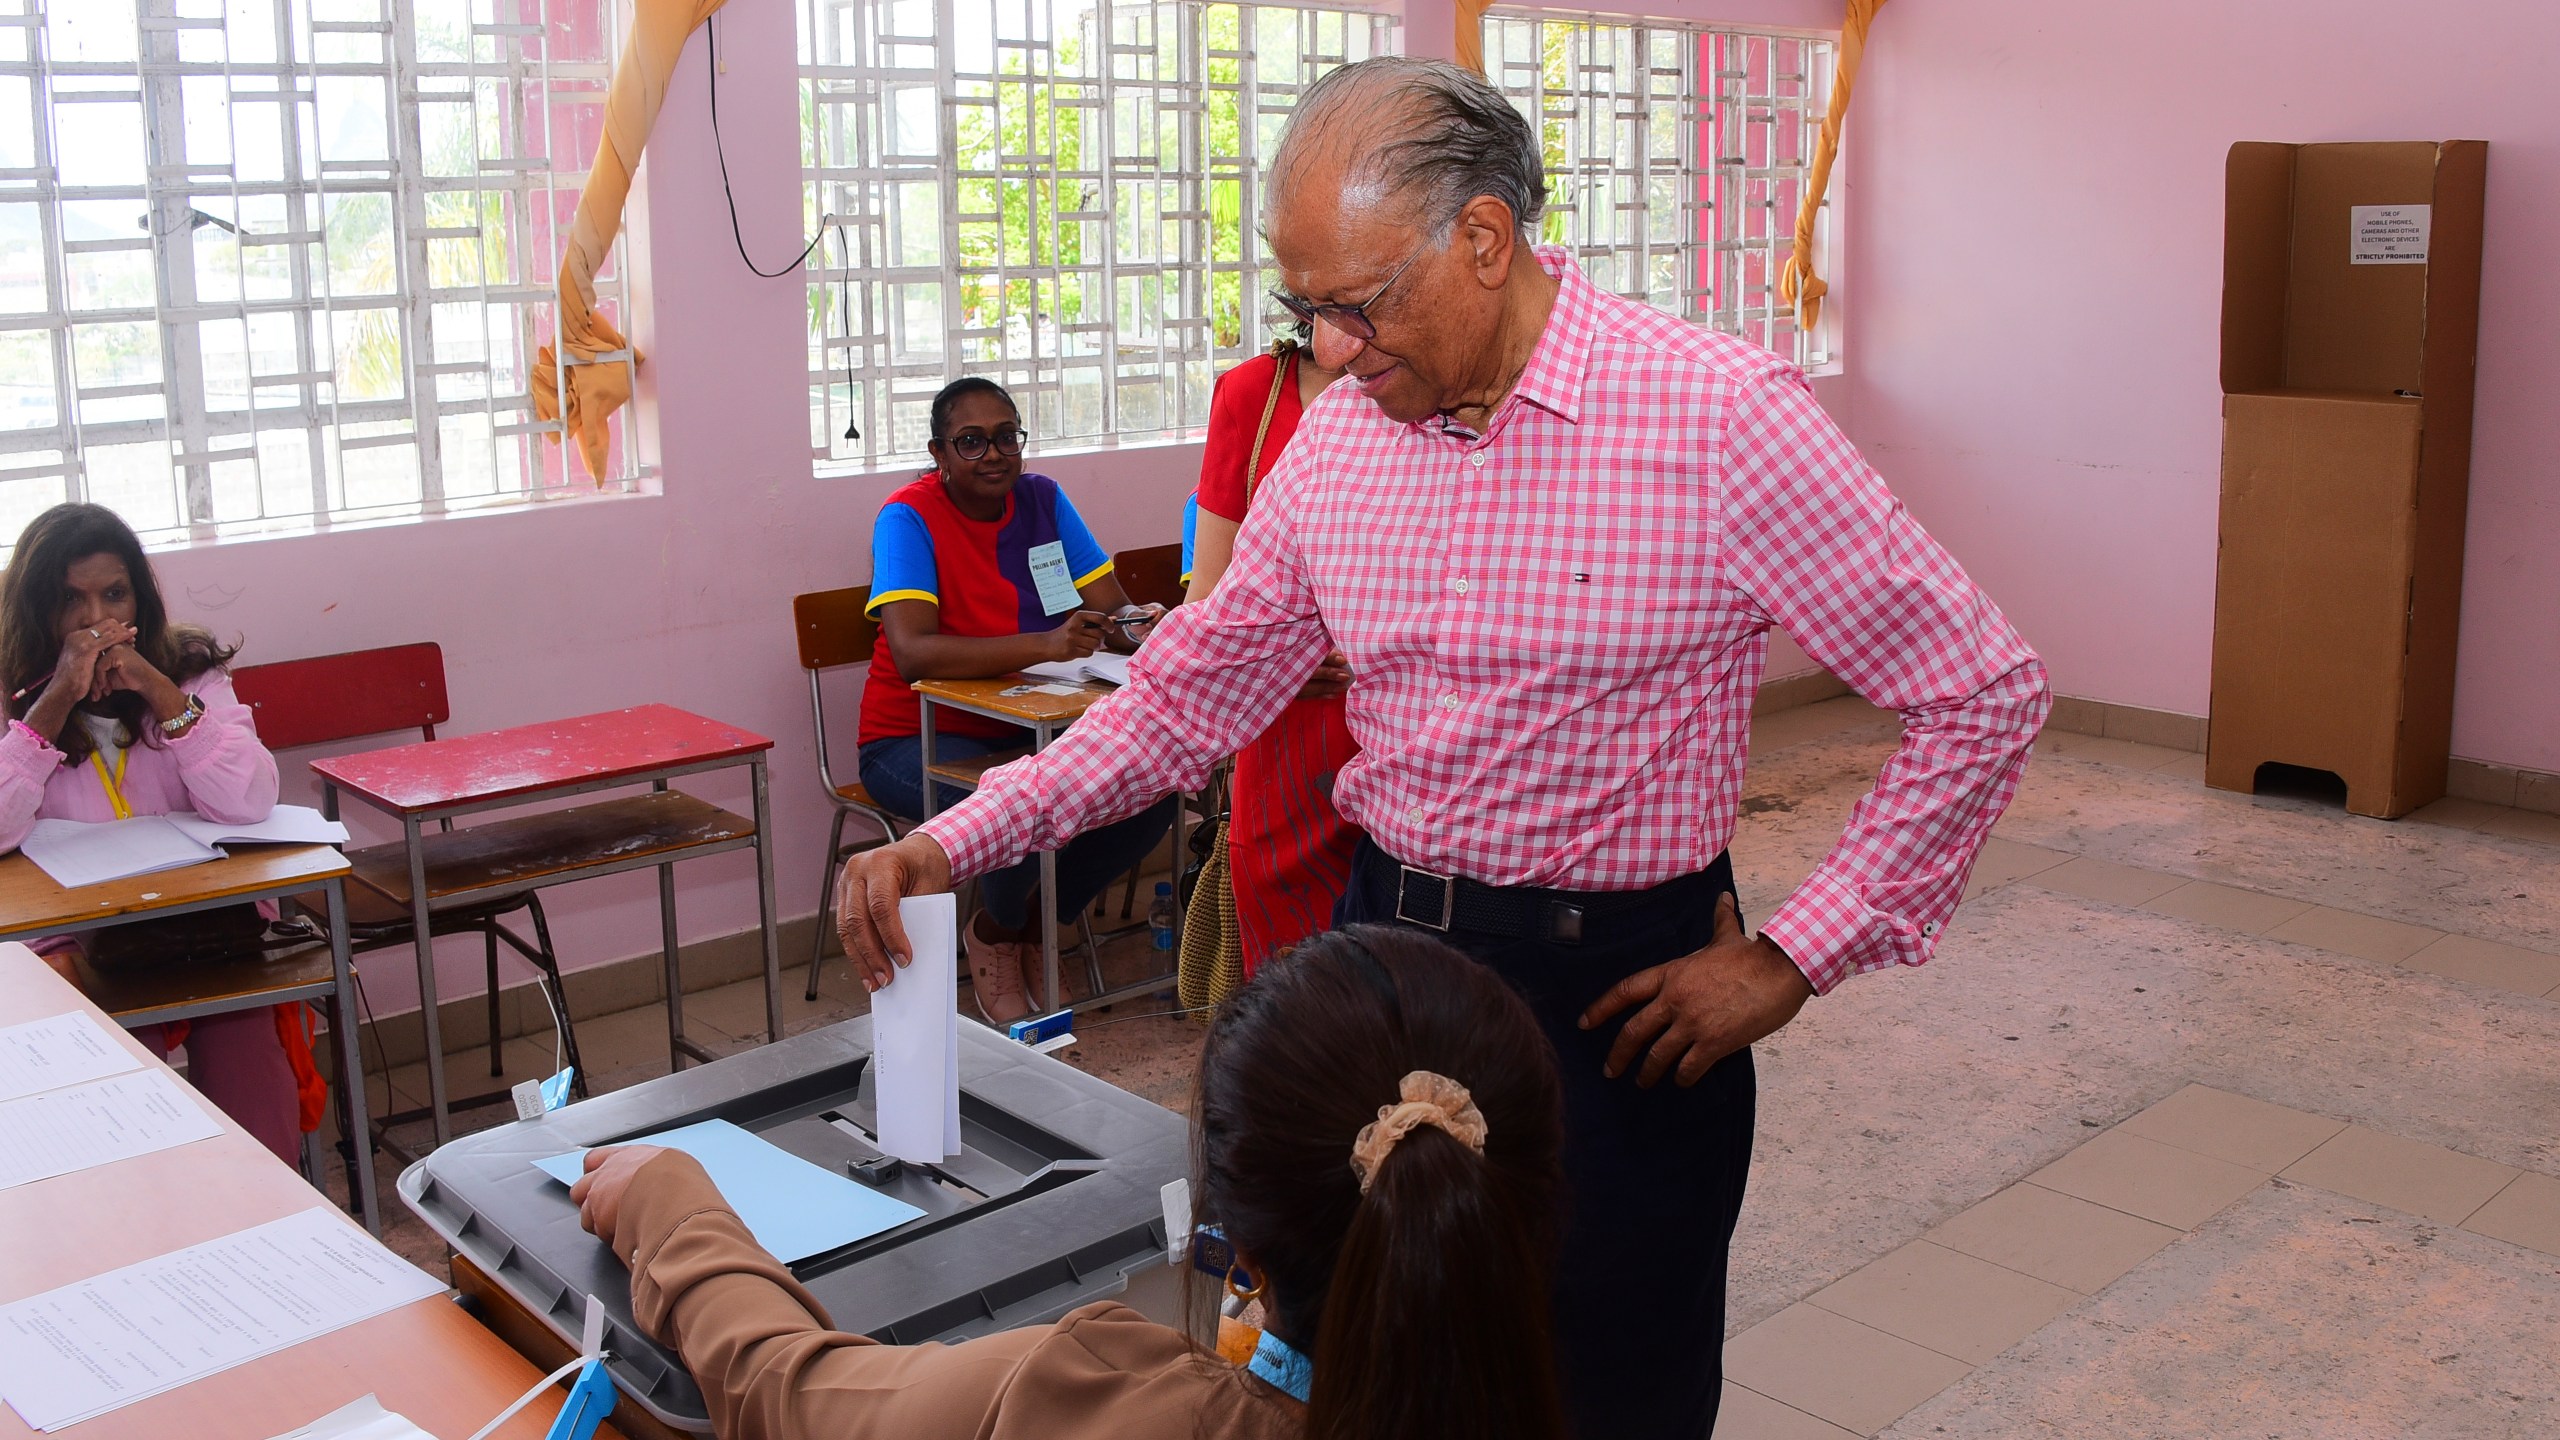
2216, 1115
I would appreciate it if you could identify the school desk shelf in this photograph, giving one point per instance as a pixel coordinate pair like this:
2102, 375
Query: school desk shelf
433, 781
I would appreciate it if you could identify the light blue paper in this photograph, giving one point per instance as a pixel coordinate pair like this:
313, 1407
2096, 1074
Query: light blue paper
555, 1091
793, 1208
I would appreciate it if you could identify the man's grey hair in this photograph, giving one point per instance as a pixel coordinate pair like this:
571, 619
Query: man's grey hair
1427, 130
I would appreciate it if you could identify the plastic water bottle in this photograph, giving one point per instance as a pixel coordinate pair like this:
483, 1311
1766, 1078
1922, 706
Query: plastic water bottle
1160, 916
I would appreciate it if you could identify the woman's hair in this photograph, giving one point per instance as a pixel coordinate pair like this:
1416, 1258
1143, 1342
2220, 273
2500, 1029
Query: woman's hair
37, 586
1423, 1303
961, 389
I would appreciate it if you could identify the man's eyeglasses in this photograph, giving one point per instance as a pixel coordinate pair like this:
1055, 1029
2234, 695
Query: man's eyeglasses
1351, 320
970, 445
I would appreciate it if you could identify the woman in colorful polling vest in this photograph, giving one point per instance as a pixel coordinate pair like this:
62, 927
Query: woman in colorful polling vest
1380, 1127
122, 713
977, 570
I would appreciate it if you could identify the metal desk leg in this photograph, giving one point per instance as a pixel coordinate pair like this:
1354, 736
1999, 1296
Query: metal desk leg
675, 972
424, 934
351, 1062
765, 904
1051, 996
924, 751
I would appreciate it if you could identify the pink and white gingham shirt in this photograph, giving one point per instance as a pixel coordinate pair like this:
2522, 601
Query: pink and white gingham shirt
1556, 630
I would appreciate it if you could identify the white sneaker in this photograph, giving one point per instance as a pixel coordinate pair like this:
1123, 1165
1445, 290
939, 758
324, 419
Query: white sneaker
995, 976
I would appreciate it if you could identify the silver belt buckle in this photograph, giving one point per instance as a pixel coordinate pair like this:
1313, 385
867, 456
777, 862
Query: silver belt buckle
1448, 898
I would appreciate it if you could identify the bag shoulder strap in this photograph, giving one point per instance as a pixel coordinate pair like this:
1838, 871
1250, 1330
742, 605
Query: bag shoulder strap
1281, 351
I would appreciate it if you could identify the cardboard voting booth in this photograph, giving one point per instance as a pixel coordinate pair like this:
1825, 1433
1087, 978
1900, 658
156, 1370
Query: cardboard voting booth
2350, 312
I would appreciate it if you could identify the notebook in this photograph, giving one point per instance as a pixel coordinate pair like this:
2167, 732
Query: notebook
77, 853
1102, 665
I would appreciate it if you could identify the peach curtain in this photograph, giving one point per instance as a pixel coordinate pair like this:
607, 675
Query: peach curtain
593, 391
1799, 284
1471, 33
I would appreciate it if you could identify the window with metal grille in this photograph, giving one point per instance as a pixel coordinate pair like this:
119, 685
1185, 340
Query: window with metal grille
1677, 158
276, 264
1060, 195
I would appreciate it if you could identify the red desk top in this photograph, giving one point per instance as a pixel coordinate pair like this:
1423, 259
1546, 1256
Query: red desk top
524, 760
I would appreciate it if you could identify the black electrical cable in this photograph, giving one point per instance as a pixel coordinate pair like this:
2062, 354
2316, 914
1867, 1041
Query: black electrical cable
711, 53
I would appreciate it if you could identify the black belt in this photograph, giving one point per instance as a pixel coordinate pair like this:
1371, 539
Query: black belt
1453, 903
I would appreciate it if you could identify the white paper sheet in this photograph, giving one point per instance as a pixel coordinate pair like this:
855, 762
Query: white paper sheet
363, 1419
104, 1342
67, 1049
104, 1121
284, 825
915, 1038
77, 853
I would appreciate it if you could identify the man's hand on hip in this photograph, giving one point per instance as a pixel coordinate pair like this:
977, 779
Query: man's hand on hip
1700, 1008
867, 897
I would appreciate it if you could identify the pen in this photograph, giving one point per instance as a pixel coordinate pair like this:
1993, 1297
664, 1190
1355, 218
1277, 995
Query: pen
30, 690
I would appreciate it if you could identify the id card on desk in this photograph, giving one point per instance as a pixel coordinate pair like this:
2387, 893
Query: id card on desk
1049, 572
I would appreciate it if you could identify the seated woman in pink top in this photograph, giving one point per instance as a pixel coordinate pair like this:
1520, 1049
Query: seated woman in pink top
123, 713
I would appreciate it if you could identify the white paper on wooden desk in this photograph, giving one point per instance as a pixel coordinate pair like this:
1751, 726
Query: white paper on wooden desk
69, 1354
363, 1419
104, 1121
67, 1049
915, 1038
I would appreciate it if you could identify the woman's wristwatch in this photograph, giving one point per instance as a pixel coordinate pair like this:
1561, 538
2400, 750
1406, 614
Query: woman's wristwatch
177, 724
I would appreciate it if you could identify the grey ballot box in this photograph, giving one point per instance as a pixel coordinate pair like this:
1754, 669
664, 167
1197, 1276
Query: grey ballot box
1054, 1202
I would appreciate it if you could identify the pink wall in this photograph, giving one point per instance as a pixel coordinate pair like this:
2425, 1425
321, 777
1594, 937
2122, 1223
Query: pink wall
2037, 259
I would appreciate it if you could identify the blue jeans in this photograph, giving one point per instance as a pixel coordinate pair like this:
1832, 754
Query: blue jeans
893, 771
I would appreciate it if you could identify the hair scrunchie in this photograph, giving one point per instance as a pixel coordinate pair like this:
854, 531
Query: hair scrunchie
1427, 1099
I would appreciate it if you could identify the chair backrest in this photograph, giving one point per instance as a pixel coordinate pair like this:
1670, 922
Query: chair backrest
1151, 575
833, 630
342, 696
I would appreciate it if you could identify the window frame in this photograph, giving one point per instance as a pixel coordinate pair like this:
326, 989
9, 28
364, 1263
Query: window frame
475, 247
1188, 351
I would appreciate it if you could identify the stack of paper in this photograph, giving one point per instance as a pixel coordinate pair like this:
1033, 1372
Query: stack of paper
76, 852
70, 1354
793, 1208
1103, 666
915, 1038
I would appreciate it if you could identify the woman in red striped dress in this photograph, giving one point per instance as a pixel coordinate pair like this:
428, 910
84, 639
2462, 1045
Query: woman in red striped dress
1289, 852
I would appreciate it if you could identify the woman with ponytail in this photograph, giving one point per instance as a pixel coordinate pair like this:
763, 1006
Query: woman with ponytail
1378, 1134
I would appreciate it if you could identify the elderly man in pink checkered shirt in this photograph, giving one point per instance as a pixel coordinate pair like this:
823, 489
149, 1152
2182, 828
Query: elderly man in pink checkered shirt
1552, 528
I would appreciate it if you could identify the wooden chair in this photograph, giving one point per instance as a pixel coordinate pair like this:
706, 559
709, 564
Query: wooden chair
1150, 575
371, 692
834, 633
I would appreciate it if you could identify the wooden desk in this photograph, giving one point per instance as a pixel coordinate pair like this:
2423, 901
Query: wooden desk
428, 1360
31, 904
1044, 716
436, 780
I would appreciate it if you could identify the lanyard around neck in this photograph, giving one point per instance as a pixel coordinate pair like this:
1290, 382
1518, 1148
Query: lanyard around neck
1282, 1368
112, 781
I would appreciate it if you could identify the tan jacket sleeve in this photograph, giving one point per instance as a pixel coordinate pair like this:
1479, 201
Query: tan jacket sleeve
759, 1345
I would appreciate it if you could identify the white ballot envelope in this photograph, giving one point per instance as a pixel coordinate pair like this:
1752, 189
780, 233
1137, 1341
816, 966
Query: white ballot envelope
915, 1038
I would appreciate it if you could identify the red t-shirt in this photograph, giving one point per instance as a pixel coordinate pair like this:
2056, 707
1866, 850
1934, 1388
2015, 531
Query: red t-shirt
1235, 410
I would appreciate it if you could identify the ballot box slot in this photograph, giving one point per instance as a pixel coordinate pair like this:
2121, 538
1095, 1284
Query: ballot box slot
951, 1212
